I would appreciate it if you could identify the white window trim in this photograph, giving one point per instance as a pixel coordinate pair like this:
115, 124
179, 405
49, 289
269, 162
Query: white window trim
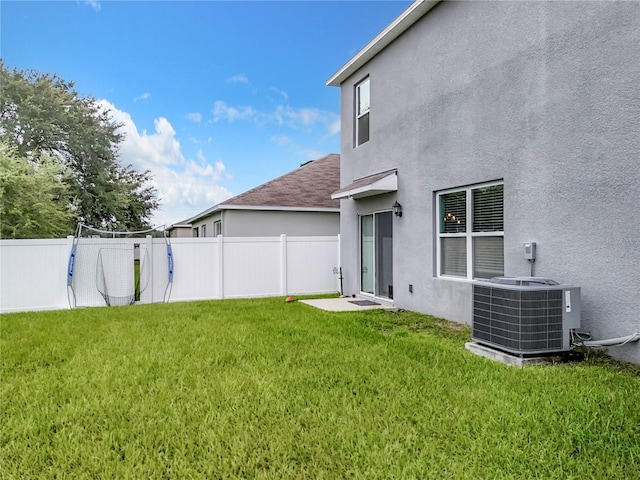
469, 235
358, 115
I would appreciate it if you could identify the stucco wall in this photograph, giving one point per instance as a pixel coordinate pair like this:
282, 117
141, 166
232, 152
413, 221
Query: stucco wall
265, 223
544, 95
247, 223
208, 222
181, 232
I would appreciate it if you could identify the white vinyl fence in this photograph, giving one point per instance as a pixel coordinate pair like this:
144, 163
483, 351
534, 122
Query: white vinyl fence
33, 273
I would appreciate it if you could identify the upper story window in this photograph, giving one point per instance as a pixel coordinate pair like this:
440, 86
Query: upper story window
470, 241
203, 231
217, 228
362, 112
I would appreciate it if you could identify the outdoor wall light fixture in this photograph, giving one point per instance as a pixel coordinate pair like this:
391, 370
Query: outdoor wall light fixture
397, 209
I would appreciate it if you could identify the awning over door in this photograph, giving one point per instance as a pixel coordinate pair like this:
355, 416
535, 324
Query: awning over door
376, 184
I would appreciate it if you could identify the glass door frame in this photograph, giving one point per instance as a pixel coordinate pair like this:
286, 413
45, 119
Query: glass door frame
375, 255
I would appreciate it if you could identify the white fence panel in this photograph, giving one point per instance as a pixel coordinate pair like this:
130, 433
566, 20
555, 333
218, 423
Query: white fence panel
252, 267
310, 264
195, 269
33, 274
155, 293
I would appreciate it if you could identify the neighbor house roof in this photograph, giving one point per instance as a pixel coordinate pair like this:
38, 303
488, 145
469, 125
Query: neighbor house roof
311, 185
396, 28
307, 188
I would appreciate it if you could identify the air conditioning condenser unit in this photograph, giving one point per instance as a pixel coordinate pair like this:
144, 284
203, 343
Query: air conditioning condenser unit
525, 315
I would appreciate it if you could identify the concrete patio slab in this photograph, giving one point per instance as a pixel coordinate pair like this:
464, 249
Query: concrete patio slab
345, 304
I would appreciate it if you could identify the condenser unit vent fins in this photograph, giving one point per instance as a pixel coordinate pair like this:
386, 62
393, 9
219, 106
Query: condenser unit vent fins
524, 319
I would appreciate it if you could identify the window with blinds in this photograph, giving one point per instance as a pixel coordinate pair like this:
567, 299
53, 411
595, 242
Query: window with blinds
454, 208
454, 256
471, 232
488, 209
488, 257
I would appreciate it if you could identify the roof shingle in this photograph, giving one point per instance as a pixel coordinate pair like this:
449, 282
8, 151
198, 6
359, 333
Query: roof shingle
309, 186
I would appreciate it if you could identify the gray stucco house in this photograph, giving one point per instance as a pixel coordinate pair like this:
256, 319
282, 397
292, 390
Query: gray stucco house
493, 125
298, 203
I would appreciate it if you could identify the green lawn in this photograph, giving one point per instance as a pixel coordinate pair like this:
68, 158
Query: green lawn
266, 389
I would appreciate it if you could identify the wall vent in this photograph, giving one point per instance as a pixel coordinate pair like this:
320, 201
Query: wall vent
525, 315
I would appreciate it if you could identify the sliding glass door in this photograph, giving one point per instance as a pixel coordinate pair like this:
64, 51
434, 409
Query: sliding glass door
376, 254
367, 256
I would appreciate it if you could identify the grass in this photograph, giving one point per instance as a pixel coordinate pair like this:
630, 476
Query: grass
266, 389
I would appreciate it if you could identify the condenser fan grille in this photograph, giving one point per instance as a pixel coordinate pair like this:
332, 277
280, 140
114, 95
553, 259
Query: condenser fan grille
520, 321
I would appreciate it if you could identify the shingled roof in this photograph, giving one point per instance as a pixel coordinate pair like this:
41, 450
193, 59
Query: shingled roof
309, 186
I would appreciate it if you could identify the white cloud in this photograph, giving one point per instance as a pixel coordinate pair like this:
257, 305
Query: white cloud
223, 111
284, 115
334, 127
187, 193
240, 78
144, 96
185, 187
203, 170
280, 92
306, 119
282, 140
95, 4
296, 118
199, 141
194, 117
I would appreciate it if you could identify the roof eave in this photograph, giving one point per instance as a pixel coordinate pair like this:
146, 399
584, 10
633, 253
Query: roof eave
206, 213
280, 208
179, 225
396, 28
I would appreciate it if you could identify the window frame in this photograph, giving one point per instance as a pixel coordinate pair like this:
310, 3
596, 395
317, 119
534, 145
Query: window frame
217, 228
359, 115
468, 234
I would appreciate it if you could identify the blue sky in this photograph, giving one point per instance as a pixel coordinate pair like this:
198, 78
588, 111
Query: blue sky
215, 97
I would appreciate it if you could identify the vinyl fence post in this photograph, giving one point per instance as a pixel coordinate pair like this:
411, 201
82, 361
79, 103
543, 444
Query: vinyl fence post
283, 264
70, 294
339, 266
147, 295
220, 246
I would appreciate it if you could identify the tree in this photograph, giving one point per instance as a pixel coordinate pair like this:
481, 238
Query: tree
34, 198
42, 114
